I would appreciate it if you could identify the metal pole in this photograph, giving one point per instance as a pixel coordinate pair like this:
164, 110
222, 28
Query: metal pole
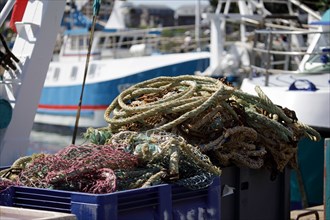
197, 25
84, 81
305, 8
6, 10
96, 7
268, 61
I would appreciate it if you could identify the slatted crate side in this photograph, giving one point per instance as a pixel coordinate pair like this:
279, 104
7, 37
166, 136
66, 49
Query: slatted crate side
164, 201
42, 199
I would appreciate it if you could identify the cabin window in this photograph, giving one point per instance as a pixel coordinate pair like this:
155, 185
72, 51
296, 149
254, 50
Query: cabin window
83, 42
92, 70
107, 42
78, 43
139, 40
74, 43
116, 41
101, 41
74, 72
275, 8
233, 8
127, 42
56, 74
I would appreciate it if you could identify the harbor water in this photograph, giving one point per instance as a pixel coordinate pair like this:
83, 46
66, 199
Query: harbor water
51, 142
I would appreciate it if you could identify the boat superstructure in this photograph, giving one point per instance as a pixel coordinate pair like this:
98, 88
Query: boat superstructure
232, 32
294, 71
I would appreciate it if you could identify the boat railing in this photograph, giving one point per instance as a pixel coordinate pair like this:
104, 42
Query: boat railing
281, 51
171, 39
117, 44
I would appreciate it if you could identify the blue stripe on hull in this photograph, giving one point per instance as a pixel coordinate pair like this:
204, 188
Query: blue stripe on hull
103, 93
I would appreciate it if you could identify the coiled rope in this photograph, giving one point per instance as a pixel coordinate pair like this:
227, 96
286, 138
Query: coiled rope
213, 116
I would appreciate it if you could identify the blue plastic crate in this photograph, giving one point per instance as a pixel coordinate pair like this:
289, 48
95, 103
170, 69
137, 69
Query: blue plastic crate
157, 202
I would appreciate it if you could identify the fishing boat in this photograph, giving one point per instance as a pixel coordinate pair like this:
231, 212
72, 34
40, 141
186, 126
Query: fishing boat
119, 58
297, 76
300, 80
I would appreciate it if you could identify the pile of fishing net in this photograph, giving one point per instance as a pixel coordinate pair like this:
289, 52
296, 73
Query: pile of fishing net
232, 127
88, 168
130, 160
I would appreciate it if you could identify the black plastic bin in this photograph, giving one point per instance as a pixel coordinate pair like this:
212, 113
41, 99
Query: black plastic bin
255, 195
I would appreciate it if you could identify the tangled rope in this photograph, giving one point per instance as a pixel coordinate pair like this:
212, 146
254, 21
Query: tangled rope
184, 96
231, 126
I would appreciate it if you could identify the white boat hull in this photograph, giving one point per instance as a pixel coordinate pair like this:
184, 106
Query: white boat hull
311, 107
106, 79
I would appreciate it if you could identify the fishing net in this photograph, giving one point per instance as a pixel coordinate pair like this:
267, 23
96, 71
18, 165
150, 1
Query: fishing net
5, 183
170, 157
128, 160
85, 168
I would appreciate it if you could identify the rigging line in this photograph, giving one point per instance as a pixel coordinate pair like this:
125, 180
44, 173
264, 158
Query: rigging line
84, 81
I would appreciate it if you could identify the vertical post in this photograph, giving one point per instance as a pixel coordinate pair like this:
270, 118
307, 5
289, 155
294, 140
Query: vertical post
217, 41
289, 48
268, 62
253, 55
327, 179
96, 9
197, 25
